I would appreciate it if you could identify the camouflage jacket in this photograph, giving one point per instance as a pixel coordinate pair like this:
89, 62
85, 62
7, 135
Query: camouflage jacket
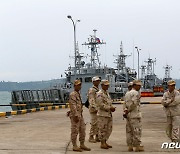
132, 104
92, 99
104, 103
172, 108
75, 103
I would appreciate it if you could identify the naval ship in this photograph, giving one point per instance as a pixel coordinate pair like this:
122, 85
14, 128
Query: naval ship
84, 71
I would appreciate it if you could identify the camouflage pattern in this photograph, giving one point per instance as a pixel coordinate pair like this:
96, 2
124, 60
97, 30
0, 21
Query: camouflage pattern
94, 124
133, 121
105, 127
92, 99
104, 103
76, 109
171, 108
171, 103
93, 110
132, 103
104, 115
78, 128
133, 132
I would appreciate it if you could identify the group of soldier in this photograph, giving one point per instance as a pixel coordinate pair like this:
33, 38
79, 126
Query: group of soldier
100, 109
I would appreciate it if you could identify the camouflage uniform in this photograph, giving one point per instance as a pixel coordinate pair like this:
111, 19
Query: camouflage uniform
104, 115
93, 110
76, 110
172, 110
133, 121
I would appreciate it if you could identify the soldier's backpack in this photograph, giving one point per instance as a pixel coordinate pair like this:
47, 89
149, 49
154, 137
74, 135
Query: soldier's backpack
86, 104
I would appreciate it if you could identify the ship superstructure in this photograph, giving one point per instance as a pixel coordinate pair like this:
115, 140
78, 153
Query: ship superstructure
86, 70
167, 76
152, 85
123, 75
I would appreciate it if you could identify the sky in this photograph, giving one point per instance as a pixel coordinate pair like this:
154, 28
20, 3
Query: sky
36, 37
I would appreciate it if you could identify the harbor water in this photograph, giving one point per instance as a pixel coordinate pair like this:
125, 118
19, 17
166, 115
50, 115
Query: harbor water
5, 98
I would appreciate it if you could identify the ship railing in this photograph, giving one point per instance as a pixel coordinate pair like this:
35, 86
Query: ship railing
33, 98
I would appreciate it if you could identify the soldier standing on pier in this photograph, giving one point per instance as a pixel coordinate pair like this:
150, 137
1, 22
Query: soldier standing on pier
105, 110
171, 103
130, 84
93, 109
132, 114
77, 121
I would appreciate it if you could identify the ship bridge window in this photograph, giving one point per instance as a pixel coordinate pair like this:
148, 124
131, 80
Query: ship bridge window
88, 79
98, 71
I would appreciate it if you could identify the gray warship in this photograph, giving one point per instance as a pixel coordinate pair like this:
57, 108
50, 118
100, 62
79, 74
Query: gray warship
118, 77
83, 70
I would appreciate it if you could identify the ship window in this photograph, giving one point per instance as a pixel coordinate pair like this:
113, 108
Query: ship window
88, 79
98, 71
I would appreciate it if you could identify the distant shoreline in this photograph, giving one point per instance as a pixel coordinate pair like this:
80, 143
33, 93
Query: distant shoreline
10, 86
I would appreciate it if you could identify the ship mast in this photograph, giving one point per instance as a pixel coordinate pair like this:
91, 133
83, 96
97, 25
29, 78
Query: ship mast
150, 66
93, 43
143, 72
167, 71
120, 61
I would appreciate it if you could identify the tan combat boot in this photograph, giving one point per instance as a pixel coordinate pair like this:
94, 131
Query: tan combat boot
139, 148
103, 145
91, 139
76, 148
83, 147
109, 146
130, 148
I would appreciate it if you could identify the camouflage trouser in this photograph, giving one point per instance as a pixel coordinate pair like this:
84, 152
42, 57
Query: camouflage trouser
173, 128
133, 131
78, 128
105, 127
94, 124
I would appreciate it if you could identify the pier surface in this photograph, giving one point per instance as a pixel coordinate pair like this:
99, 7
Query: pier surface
48, 132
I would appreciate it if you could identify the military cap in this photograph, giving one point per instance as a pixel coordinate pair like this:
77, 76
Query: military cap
137, 82
77, 82
130, 84
171, 82
105, 82
95, 78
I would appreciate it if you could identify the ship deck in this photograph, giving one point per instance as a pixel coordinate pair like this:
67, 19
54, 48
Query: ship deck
48, 132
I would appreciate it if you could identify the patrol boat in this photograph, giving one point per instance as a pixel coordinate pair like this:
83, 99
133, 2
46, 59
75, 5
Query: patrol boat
152, 85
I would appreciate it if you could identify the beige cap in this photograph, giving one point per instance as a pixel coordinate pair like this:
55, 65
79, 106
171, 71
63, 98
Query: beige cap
77, 82
171, 82
130, 84
105, 82
96, 78
137, 82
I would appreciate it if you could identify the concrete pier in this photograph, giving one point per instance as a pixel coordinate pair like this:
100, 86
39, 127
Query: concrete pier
48, 132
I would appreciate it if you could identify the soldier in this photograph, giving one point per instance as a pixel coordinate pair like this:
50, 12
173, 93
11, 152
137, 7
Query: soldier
171, 103
77, 120
130, 84
133, 118
105, 110
93, 109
